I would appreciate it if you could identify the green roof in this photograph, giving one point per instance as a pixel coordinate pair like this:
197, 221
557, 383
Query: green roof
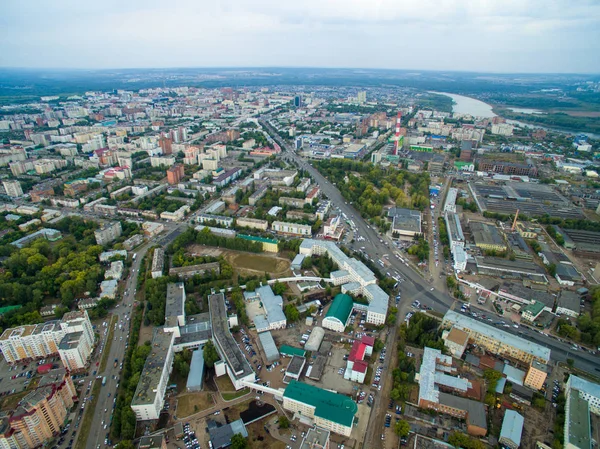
257, 239
328, 405
290, 350
5, 309
535, 309
341, 308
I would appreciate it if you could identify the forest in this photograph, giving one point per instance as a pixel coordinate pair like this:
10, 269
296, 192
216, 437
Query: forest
42, 271
371, 188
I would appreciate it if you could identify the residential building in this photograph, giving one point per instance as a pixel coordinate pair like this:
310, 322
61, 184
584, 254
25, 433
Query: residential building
331, 411
219, 220
158, 263
39, 416
108, 232
38, 341
456, 341
175, 174
175, 306
512, 429
13, 188
587, 390
252, 223
497, 341
291, 228
578, 428
536, 375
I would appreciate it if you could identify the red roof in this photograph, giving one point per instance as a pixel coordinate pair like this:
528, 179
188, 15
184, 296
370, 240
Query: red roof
357, 352
369, 341
360, 366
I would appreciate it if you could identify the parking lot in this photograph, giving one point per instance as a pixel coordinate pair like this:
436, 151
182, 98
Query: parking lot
16, 378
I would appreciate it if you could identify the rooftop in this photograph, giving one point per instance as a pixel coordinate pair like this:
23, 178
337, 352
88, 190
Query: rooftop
236, 361
476, 414
272, 303
153, 368
578, 422
585, 386
512, 427
175, 303
296, 364
469, 324
220, 437
316, 438
340, 308
328, 405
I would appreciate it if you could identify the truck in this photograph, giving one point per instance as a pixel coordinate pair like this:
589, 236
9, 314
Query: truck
104, 381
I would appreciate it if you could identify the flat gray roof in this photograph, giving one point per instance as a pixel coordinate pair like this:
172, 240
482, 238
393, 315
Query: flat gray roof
469, 324
578, 426
174, 305
222, 336
196, 375
272, 303
269, 347
153, 368
475, 410
512, 427
296, 364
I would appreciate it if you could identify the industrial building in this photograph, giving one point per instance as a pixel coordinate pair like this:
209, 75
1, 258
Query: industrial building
338, 314
487, 237
353, 276
316, 338
195, 379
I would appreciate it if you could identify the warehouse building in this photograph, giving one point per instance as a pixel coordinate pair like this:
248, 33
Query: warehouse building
314, 341
195, 378
338, 314
269, 347
512, 429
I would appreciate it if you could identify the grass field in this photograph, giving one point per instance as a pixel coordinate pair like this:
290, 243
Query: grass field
227, 390
258, 438
234, 395
247, 263
188, 404
109, 340
88, 416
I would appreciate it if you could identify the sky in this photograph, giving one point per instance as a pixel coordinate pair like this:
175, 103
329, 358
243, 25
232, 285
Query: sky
483, 35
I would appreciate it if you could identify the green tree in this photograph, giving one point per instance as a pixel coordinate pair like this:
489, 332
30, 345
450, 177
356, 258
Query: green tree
239, 442
210, 354
279, 288
125, 444
291, 313
284, 422
402, 428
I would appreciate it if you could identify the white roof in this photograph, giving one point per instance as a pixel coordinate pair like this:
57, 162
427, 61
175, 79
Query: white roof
512, 426
585, 386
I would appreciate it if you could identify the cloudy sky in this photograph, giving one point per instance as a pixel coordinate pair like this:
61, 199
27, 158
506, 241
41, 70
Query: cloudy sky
480, 35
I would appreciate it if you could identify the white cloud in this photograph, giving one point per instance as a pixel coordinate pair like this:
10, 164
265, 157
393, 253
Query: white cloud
508, 35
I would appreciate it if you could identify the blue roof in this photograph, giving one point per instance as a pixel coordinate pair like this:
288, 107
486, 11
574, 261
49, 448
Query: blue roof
512, 427
196, 375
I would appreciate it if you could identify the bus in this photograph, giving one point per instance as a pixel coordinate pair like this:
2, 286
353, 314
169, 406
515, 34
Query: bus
104, 381
134, 254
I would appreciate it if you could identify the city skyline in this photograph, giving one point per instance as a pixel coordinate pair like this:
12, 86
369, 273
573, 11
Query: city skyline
502, 37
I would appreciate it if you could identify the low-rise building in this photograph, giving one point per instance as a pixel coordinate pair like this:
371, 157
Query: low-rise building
158, 263
291, 228
252, 223
331, 411
195, 270
512, 429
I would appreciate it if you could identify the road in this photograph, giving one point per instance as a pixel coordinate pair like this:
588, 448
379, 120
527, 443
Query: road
415, 286
108, 392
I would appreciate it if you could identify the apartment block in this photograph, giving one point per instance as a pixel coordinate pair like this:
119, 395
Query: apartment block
108, 233
158, 263
13, 188
175, 174
40, 414
41, 340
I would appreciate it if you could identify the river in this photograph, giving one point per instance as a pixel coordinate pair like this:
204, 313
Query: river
468, 105
477, 108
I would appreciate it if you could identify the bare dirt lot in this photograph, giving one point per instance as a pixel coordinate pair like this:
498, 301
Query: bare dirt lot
247, 263
190, 403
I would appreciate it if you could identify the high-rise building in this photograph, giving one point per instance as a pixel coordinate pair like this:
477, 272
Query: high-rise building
13, 188
166, 144
38, 341
362, 97
40, 414
175, 174
298, 101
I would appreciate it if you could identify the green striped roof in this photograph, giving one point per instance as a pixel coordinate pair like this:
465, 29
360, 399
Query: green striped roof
257, 239
290, 350
341, 308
